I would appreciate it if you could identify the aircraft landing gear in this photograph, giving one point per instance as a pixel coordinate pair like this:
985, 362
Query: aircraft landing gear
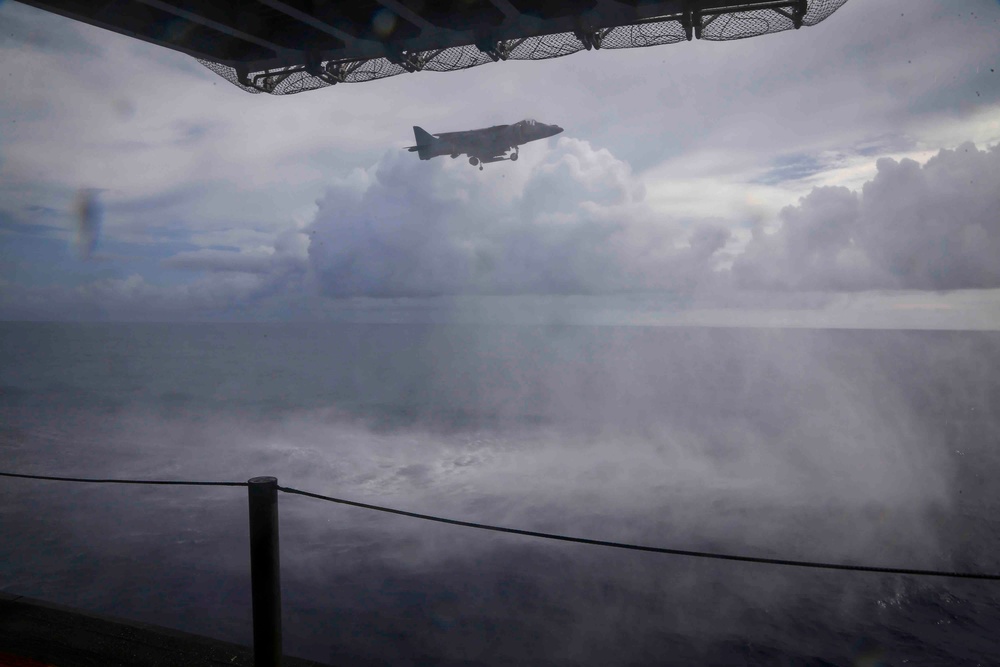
473, 161
514, 157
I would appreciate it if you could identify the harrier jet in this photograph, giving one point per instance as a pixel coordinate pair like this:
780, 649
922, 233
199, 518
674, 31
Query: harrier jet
490, 144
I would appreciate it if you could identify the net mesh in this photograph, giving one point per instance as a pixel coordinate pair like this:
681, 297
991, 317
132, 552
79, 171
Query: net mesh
228, 73
725, 26
456, 58
545, 46
644, 34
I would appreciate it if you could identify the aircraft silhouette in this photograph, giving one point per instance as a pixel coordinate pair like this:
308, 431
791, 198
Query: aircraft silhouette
490, 144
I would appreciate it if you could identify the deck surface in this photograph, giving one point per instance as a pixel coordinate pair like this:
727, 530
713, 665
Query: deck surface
38, 632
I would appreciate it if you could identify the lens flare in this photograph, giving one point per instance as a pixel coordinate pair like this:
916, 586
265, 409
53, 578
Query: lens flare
383, 22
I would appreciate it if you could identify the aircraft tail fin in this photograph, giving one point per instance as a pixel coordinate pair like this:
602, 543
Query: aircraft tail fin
422, 136
424, 142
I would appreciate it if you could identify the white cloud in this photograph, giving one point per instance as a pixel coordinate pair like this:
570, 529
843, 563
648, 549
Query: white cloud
571, 237
576, 225
580, 224
221, 261
285, 255
930, 227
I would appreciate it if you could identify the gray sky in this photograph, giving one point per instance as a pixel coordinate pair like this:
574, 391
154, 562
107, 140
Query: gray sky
843, 175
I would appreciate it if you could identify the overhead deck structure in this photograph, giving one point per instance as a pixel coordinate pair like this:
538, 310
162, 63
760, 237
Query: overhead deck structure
290, 46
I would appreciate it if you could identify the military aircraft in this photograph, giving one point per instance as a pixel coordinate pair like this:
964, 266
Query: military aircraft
490, 144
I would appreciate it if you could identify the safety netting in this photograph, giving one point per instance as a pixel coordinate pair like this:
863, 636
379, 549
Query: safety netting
721, 24
653, 33
755, 22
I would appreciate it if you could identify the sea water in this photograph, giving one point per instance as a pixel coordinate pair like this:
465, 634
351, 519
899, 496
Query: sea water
867, 447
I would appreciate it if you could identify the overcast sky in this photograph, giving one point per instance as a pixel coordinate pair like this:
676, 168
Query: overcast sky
847, 174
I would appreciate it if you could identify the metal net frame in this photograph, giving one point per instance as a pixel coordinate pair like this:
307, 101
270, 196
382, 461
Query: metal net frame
716, 26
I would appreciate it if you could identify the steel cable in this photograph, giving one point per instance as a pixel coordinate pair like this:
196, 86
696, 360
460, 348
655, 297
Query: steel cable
651, 549
533, 533
91, 480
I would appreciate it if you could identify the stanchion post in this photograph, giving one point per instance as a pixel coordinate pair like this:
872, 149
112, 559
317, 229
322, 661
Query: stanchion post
265, 571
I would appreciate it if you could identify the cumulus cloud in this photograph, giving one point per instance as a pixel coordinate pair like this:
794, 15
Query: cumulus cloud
577, 224
571, 227
220, 261
930, 227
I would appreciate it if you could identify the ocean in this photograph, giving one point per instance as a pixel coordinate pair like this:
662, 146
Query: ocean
869, 447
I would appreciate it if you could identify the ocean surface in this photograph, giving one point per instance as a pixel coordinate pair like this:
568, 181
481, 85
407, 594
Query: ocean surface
873, 447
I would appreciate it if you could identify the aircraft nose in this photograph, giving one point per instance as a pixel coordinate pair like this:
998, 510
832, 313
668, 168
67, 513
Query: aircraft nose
556, 130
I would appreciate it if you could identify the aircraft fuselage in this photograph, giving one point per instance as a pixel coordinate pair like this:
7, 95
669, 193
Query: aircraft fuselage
489, 144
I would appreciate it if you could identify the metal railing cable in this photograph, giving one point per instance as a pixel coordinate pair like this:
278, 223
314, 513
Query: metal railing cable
651, 549
92, 480
982, 576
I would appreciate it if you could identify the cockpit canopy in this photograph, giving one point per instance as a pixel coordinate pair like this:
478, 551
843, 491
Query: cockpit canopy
530, 129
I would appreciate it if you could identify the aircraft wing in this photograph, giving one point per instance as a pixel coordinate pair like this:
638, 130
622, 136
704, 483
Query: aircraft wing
482, 144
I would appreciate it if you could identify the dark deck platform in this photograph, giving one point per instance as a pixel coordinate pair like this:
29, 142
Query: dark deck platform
66, 637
